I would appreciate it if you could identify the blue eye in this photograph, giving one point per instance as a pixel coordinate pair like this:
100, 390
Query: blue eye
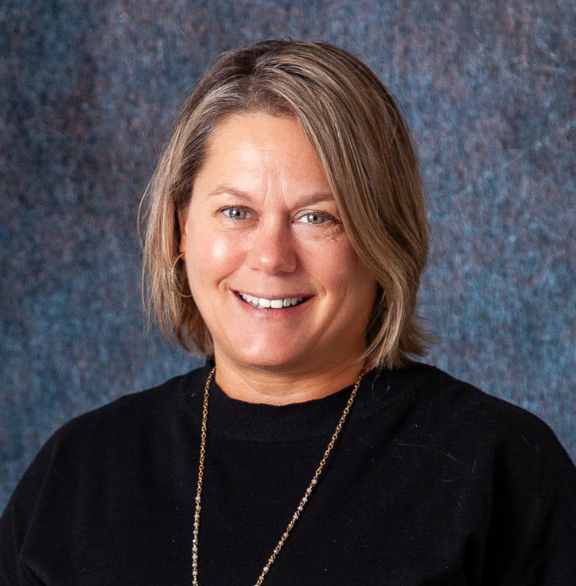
236, 213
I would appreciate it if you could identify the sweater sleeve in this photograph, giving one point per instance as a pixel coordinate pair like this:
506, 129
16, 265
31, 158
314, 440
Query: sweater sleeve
16, 520
12, 572
532, 534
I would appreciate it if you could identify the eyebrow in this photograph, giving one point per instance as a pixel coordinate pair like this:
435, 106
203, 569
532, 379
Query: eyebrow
311, 199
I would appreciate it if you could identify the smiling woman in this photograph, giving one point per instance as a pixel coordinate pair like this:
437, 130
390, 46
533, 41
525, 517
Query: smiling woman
285, 240
270, 266
358, 150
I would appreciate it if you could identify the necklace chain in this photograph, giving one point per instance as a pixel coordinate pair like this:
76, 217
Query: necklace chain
302, 503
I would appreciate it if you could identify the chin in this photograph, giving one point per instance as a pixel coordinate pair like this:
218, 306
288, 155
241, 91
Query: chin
279, 358
271, 361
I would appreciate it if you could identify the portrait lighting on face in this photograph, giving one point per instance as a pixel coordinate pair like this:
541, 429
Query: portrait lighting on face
270, 265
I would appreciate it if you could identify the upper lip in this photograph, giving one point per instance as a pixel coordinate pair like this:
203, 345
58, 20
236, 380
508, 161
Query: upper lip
268, 296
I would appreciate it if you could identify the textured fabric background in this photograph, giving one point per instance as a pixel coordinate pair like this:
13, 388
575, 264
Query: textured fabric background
87, 94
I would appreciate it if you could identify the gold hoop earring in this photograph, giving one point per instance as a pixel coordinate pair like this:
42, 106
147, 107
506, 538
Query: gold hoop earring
172, 281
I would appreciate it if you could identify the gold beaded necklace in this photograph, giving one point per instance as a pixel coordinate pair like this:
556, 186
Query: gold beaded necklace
302, 503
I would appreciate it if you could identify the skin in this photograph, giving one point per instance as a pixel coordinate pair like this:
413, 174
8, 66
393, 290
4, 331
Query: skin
262, 221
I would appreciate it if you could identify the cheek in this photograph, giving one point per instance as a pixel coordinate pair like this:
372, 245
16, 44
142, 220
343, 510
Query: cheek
210, 255
217, 249
338, 264
351, 278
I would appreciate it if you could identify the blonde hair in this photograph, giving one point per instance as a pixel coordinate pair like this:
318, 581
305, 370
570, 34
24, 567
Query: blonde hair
364, 146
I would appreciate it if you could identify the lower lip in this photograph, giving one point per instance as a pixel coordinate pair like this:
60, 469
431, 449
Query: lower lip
269, 313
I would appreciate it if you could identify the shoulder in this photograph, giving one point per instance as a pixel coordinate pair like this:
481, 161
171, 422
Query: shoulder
495, 473
135, 413
486, 414
119, 434
102, 461
453, 417
439, 395
116, 439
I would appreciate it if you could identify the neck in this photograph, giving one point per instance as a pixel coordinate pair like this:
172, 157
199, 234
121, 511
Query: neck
263, 385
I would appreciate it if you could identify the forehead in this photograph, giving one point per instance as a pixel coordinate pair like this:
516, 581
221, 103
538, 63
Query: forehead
257, 146
242, 130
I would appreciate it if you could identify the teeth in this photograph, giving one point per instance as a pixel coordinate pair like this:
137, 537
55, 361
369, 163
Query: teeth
264, 303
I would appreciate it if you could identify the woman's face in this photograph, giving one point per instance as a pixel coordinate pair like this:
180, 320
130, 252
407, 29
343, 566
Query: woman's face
269, 263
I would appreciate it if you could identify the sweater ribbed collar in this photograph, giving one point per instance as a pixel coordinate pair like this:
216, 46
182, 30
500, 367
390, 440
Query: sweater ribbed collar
298, 421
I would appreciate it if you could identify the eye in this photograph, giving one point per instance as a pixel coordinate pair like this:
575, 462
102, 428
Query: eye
314, 217
236, 213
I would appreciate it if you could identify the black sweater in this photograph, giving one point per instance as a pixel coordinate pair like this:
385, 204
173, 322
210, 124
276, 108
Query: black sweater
432, 482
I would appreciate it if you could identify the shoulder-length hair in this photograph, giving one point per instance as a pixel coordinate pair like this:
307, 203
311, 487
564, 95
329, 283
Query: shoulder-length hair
364, 146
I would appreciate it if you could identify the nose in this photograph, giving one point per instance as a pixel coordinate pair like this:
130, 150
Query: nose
271, 248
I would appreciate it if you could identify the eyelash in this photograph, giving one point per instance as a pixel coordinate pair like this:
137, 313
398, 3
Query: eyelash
327, 217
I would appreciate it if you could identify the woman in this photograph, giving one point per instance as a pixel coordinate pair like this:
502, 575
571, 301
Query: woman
285, 241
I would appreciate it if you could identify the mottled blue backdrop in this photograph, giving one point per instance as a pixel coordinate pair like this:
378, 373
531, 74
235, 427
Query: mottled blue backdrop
87, 94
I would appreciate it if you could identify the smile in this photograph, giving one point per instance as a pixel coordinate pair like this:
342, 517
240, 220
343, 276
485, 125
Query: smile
264, 303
